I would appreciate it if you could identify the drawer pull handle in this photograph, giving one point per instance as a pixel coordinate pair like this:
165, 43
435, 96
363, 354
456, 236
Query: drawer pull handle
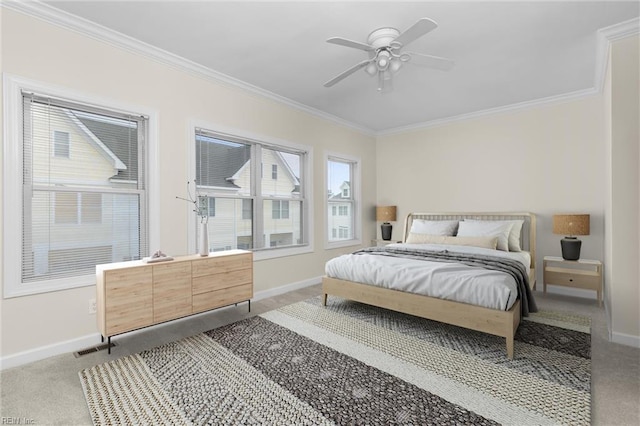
571, 280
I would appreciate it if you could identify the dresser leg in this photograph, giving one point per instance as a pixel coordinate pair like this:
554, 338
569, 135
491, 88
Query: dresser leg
109, 345
249, 302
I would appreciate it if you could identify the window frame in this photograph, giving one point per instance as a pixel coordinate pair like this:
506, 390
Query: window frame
13, 143
355, 194
267, 142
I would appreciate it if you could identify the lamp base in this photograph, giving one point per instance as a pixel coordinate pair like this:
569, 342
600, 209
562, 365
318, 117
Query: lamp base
570, 248
386, 229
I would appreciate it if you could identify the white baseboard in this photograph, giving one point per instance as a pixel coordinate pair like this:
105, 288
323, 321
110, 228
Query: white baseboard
568, 291
625, 339
264, 294
42, 352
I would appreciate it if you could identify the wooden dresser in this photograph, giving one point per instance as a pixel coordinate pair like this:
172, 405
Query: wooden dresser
133, 295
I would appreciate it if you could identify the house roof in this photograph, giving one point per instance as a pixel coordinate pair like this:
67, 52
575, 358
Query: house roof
338, 195
113, 136
219, 161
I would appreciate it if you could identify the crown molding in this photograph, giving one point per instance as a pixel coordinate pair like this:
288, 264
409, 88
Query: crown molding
98, 32
566, 97
605, 36
37, 9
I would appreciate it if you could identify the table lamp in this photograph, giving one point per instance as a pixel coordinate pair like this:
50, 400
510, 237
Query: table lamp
386, 214
571, 225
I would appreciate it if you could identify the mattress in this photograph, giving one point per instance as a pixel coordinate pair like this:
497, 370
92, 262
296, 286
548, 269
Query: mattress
451, 281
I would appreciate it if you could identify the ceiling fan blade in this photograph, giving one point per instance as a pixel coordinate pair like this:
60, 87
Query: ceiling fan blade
417, 30
350, 43
347, 72
431, 61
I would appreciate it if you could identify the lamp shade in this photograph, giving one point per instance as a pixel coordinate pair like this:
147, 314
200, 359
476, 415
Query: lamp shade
386, 213
571, 224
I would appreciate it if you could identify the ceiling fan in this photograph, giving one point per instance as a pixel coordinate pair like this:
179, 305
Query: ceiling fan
386, 56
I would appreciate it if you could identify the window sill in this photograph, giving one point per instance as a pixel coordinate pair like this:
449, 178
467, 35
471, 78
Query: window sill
274, 253
340, 244
29, 289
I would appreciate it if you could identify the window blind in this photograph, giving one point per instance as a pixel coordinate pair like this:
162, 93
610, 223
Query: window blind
84, 195
252, 210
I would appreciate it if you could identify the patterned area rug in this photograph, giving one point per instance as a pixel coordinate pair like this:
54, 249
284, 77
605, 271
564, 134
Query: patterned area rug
351, 363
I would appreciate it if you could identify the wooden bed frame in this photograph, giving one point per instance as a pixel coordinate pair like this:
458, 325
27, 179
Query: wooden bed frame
491, 321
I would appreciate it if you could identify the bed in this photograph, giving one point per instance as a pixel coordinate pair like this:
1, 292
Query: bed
499, 317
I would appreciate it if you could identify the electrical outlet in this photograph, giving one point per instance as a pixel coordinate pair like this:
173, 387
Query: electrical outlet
92, 306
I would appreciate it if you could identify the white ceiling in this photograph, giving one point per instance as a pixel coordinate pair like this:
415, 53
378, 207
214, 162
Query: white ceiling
505, 52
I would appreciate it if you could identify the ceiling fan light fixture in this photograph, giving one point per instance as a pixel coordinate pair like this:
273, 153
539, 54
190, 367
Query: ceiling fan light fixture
383, 60
385, 56
395, 65
371, 69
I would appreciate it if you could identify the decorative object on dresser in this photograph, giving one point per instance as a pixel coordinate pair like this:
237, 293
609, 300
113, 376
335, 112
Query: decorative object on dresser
582, 273
156, 257
386, 214
571, 225
135, 294
201, 209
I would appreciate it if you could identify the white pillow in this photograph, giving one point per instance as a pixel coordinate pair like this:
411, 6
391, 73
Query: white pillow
484, 242
514, 234
485, 228
434, 227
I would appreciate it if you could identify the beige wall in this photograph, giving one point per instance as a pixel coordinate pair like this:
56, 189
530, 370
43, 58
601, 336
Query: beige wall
546, 160
49, 54
623, 203
577, 156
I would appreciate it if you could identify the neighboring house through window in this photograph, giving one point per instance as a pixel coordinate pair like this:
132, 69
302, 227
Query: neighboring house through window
77, 208
342, 202
251, 211
60, 144
212, 207
279, 209
83, 209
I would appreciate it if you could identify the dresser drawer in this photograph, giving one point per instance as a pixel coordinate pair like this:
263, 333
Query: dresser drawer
223, 297
220, 264
171, 291
219, 281
129, 303
572, 278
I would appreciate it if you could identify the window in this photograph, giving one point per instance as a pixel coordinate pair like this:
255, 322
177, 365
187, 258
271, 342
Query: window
343, 232
279, 209
247, 204
77, 208
66, 207
83, 209
247, 209
211, 206
60, 144
342, 201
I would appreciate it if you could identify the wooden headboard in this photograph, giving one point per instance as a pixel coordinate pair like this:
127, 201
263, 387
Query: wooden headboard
527, 237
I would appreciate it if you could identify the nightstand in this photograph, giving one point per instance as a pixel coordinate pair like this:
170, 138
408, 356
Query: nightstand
582, 273
382, 243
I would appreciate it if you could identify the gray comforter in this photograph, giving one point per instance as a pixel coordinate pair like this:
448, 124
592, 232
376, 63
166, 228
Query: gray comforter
509, 266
